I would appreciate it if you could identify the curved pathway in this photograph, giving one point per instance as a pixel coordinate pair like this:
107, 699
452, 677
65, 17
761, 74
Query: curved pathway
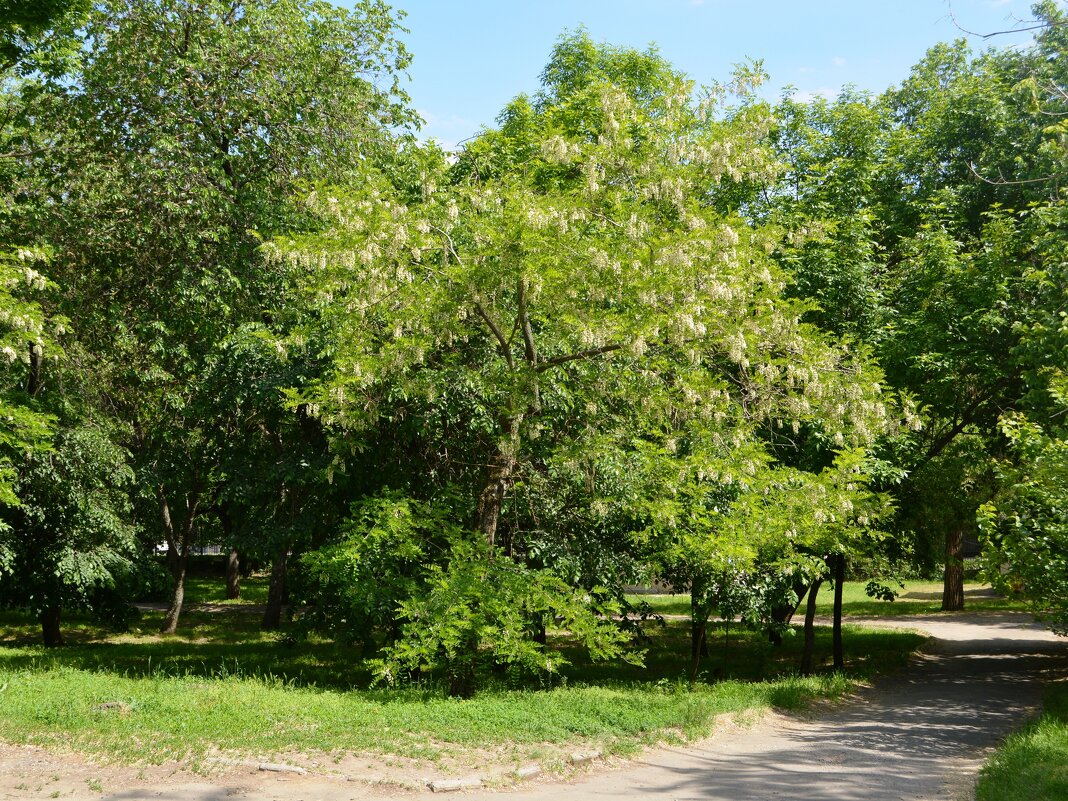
918, 736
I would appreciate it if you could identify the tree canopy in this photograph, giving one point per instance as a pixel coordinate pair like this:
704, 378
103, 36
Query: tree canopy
640, 329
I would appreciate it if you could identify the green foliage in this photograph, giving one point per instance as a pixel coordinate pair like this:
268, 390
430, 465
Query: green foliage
745, 550
749, 595
924, 221
273, 491
176, 143
1026, 527
407, 572
236, 105
832, 153
357, 585
69, 543
25, 332
38, 35
476, 609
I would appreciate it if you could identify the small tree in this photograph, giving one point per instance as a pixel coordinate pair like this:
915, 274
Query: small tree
1025, 530
68, 545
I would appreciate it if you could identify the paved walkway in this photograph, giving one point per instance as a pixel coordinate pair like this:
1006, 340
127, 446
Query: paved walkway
916, 737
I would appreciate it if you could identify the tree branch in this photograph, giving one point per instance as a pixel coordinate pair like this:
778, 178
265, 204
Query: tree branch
1031, 25
966, 418
531, 352
572, 357
524, 324
498, 334
1006, 181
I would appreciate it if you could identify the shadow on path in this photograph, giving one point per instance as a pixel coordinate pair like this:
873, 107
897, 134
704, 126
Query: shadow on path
920, 735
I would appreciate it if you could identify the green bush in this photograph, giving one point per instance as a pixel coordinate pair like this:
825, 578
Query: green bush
408, 579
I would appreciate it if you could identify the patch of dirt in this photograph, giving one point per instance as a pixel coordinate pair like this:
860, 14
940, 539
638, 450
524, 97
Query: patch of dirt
30, 771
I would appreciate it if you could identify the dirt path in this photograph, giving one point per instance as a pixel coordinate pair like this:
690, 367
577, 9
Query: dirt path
916, 737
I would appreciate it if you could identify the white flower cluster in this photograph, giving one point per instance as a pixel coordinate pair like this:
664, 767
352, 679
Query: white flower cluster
20, 322
668, 190
34, 279
558, 150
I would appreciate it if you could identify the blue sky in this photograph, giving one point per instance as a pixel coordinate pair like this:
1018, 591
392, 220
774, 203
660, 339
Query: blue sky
472, 56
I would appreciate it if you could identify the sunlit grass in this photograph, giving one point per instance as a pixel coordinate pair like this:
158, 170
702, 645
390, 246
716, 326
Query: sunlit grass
212, 589
1032, 765
160, 717
222, 683
916, 598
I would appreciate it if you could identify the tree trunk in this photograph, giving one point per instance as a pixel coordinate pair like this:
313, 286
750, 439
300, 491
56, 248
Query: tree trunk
838, 561
698, 629
178, 545
35, 378
491, 499
173, 559
698, 646
50, 630
233, 576
953, 585
785, 613
174, 611
810, 631
272, 615
539, 635
233, 560
461, 672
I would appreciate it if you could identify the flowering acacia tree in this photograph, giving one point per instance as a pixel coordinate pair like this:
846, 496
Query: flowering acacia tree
585, 275
24, 329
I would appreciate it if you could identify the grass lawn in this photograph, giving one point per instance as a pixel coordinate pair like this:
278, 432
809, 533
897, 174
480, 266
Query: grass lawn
1032, 765
222, 683
917, 598
212, 589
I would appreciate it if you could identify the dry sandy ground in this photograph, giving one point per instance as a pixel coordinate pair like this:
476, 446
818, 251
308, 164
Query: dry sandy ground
919, 736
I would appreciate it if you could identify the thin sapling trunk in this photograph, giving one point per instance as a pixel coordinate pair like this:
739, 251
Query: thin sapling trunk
810, 629
838, 561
